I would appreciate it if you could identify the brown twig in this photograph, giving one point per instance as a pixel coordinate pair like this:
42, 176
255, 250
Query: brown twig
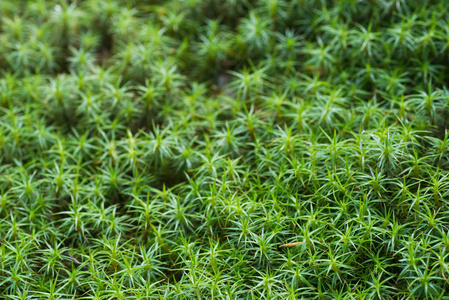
289, 245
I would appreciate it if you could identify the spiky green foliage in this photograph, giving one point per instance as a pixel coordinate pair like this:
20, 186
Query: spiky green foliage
229, 149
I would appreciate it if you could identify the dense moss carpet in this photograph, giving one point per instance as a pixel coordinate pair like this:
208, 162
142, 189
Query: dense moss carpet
224, 149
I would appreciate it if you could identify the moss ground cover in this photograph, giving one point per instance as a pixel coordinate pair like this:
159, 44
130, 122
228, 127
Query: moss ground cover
224, 149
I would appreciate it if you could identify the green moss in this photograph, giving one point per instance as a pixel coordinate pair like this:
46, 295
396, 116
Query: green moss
229, 149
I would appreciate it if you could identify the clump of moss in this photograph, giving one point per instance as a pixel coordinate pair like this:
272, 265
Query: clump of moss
209, 149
